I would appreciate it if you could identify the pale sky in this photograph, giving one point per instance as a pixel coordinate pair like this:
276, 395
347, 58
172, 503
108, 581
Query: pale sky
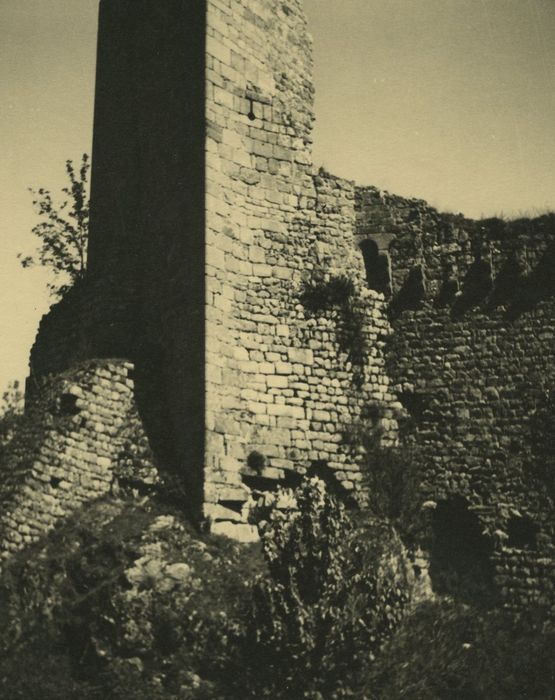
449, 100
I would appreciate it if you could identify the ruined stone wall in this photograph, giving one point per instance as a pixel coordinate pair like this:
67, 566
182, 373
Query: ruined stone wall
208, 225
471, 357
93, 320
266, 307
279, 390
67, 450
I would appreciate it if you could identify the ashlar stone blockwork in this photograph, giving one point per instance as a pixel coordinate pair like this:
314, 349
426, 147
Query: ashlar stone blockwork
277, 384
208, 226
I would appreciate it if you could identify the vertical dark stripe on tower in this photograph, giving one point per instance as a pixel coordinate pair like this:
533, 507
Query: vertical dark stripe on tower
147, 234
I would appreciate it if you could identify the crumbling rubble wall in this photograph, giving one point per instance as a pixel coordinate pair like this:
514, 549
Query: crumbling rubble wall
472, 358
67, 450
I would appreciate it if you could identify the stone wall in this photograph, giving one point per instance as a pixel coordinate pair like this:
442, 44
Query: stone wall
208, 225
148, 211
67, 450
266, 307
471, 357
279, 389
93, 320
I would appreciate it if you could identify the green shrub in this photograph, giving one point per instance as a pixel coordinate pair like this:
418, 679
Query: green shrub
447, 650
96, 601
335, 590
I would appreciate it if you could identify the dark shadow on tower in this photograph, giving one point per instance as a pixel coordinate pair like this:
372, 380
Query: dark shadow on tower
147, 212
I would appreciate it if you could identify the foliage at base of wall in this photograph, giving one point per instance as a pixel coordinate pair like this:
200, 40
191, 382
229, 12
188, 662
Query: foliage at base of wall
447, 650
125, 600
337, 588
392, 477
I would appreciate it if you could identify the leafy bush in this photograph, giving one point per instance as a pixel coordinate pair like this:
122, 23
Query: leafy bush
124, 600
447, 650
335, 590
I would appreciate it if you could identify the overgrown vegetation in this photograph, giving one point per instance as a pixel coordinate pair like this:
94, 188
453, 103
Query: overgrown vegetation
335, 590
11, 412
63, 230
125, 600
339, 293
446, 651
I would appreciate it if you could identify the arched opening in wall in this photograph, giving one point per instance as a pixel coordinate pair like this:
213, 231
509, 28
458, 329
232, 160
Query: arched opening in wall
461, 555
522, 532
377, 266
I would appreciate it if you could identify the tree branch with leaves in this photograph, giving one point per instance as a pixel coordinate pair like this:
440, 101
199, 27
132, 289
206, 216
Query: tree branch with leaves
63, 230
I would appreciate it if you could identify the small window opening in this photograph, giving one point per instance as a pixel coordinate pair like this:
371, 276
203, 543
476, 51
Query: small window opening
378, 268
235, 506
415, 404
68, 405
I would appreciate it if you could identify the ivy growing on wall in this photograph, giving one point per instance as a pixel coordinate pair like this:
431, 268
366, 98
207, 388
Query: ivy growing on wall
339, 293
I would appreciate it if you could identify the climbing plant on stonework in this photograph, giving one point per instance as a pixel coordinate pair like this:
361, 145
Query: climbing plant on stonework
339, 293
62, 230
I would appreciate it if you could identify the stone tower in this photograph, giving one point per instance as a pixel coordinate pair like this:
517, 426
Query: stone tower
237, 305
209, 227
